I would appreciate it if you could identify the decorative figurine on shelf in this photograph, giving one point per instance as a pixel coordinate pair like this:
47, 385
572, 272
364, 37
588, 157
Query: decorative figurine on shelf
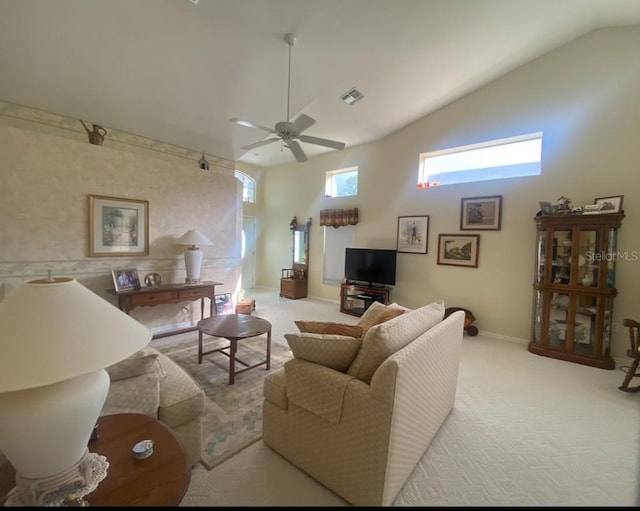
562, 205
96, 135
203, 163
293, 224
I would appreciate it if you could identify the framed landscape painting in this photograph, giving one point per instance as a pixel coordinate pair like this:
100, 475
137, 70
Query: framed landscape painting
611, 204
413, 234
458, 249
481, 213
118, 227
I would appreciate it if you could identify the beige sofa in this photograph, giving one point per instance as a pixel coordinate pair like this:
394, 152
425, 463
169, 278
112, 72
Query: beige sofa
151, 383
357, 414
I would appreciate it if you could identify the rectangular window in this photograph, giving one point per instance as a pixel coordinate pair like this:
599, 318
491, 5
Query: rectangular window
497, 159
342, 183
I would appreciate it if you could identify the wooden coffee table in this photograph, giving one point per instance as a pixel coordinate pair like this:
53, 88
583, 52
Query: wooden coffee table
234, 328
159, 480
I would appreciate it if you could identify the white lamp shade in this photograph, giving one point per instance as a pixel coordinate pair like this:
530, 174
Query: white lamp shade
55, 331
193, 237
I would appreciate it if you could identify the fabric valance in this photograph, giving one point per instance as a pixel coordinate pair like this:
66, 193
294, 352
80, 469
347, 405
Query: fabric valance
338, 217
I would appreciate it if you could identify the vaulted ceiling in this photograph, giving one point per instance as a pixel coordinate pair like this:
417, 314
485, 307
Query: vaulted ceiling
178, 70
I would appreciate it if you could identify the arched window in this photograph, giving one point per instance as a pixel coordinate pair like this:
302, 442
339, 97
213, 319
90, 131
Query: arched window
248, 186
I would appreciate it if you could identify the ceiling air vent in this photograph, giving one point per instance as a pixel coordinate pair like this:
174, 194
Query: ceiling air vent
352, 96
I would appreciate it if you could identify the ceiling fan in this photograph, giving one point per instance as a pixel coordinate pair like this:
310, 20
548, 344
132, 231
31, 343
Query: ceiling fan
290, 132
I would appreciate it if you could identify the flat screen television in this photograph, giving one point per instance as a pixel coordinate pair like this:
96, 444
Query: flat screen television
370, 265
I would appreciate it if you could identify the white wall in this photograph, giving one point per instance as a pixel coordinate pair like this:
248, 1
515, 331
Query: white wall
583, 96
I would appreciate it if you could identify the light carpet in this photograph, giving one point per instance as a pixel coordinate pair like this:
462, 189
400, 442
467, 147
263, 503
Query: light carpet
233, 418
526, 430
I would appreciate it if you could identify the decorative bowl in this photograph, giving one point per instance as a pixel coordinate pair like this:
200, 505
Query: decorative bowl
143, 449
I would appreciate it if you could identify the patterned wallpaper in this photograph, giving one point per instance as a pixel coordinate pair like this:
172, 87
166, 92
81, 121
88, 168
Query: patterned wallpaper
46, 177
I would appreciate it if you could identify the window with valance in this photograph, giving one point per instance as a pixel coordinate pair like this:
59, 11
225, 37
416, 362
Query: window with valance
338, 217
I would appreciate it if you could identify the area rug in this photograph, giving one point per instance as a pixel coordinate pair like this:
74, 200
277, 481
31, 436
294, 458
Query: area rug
233, 415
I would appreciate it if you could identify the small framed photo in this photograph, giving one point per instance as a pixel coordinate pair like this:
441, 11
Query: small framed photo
224, 304
481, 213
125, 280
609, 204
458, 249
118, 227
413, 234
546, 208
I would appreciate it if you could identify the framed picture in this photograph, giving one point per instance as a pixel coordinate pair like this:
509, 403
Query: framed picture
481, 213
458, 249
224, 304
413, 234
118, 227
546, 208
610, 204
124, 280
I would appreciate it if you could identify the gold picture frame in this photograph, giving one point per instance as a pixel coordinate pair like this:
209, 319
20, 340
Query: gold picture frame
118, 227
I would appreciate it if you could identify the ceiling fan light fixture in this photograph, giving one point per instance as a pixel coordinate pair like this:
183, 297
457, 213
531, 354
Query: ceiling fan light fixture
352, 96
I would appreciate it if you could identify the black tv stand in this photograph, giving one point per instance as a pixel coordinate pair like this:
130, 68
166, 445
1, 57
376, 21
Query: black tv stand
355, 299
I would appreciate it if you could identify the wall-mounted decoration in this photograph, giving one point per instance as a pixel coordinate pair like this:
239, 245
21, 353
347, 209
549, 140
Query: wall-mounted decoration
118, 227
458, 249
203, 163
611, 204
224, 304
125, 279
481, 213
96, 133
413, 234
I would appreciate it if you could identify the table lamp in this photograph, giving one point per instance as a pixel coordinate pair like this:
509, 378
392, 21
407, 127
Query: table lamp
56, 338
193, 255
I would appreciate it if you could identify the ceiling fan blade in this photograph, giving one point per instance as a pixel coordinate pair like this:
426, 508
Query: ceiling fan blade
261, 143
322, 141
302, 123
250, 124
297, 151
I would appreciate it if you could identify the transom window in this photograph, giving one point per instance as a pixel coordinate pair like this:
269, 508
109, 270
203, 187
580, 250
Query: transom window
248, 186
497, 159
341, 182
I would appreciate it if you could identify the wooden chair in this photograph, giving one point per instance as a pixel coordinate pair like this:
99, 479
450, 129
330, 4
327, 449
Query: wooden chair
634, 353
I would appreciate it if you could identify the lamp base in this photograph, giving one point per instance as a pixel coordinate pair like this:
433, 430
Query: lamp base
79, 480
188, 281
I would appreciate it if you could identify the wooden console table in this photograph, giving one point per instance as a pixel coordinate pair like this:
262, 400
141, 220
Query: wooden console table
168, 293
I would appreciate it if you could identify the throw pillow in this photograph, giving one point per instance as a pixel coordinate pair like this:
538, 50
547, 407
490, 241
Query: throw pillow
378, 313
329, 327
384, 339
334, 351
141, 362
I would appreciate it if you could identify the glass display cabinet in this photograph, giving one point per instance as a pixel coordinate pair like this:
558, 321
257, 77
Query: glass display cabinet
574, 287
